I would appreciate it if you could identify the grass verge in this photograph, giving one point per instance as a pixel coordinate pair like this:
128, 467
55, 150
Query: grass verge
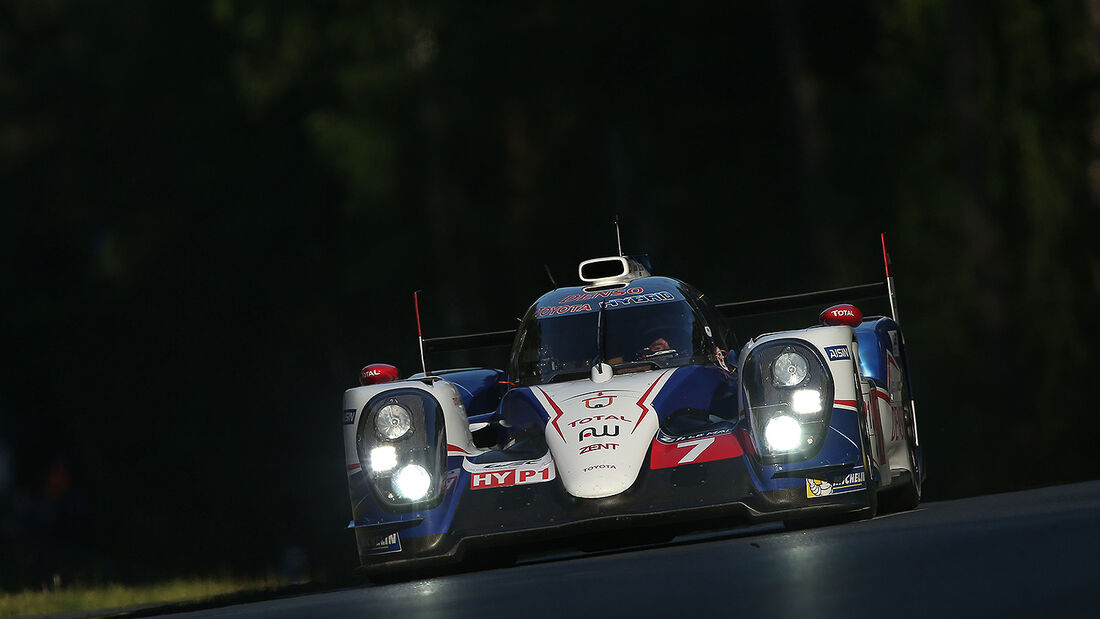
111, 596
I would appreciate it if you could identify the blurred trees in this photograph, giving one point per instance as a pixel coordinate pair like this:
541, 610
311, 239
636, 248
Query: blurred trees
215, 213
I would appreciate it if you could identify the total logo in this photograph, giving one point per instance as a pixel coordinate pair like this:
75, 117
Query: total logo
585, 420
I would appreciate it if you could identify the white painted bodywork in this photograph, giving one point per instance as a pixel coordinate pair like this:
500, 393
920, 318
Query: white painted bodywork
599, 433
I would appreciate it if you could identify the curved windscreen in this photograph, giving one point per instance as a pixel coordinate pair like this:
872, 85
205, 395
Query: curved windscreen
558, 347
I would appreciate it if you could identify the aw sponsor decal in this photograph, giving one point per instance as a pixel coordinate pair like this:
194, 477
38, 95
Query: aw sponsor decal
841, 484
515, 473
349, 416
384, 545
838, 353
592, 432
668, 452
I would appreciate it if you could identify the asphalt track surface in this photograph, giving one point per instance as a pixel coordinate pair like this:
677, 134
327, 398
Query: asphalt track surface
1034, 553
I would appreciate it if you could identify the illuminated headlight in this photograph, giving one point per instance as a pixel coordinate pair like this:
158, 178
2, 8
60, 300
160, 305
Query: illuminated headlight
806, 401
783, 433
393, 422
383, 459
789, 369
412, 482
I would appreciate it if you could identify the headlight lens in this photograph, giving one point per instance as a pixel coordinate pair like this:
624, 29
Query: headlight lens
383, 459
393, 422
783, 433
806, 401
402, 444
788, 395
412, 482
789, 369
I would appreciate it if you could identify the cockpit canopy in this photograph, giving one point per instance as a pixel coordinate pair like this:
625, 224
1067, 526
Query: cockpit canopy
646, 324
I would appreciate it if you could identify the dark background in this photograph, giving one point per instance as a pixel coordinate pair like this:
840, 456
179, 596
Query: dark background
214, 213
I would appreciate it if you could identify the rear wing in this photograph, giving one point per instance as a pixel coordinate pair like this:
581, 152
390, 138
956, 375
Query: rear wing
801, 301
502, 339
737, 309
451, 343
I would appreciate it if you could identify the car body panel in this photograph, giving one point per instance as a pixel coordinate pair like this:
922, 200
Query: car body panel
662, 442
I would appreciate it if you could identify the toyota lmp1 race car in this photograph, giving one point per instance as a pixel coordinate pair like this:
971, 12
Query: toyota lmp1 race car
625, 407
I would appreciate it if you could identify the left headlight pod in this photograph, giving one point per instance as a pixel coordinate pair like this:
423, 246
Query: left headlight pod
788, 393
402, 446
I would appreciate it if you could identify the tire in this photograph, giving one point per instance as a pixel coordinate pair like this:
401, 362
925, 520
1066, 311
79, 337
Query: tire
865, 442
908, 495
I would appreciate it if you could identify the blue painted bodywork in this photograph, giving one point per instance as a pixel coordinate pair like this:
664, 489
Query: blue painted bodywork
875, 342
708, 391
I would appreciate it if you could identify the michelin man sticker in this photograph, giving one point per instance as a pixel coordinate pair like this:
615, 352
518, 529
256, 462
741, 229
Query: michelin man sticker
851, 482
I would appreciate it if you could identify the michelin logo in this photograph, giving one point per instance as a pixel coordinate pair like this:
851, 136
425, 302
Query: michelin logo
384, 545
856, 480
836, 353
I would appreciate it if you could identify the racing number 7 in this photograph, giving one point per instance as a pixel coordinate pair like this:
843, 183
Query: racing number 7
698, 446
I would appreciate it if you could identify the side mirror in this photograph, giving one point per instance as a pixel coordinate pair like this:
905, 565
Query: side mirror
377, 373
844, 314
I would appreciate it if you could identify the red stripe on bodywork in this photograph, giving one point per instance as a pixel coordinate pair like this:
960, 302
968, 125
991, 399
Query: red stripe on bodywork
665, 455
882, 395
557, 410
457, 449
641, 401
352, 467
851, 403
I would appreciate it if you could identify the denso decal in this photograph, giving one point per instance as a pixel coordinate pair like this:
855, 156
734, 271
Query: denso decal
841, 484
598, 447
585, 420
591, 432
653, 297
602, 294
836, 353
706, 447
349, 416
384, 545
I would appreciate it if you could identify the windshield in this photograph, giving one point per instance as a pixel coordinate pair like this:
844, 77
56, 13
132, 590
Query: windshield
636, 337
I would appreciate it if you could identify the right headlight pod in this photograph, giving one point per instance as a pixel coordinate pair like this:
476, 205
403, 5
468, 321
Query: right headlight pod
402, 447
789, 396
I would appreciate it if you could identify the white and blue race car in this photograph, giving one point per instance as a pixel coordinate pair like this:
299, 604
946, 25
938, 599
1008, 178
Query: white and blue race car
627, 406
